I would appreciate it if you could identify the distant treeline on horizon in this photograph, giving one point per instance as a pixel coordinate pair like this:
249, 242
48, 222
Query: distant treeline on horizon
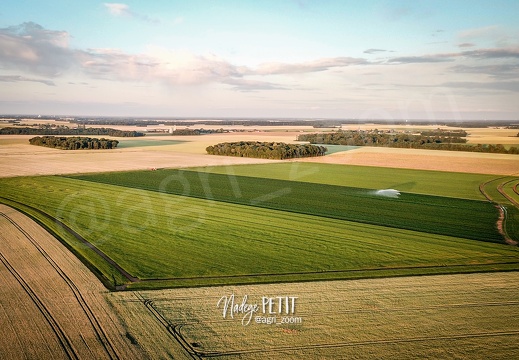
244, 121
432, 140
65, 130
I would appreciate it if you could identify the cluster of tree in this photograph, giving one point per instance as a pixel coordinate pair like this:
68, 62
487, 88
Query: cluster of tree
401, 140
378, 138
65, 130
441, 132
266, 150
197, 131
73, 143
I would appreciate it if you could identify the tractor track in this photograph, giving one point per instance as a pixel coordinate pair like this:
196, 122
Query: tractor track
508, 197
210, 354
80, 238
173, 330
96, 326
501, 227
63, 340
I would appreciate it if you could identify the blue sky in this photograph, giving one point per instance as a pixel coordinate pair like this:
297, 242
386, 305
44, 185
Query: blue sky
416, 59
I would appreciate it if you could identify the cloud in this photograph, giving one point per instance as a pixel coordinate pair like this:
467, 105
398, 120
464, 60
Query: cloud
374, 51
492, 53
481, 32
497, 53
307, 67
247, 85
159, 65
418, 59
123, 10
512, 86
466, 45
17, 78
118, 9
32, 48
498, 71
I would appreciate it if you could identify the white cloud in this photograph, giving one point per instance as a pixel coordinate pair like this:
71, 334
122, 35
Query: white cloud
118, 9
477, 33
32, 48
17, 78
307, 67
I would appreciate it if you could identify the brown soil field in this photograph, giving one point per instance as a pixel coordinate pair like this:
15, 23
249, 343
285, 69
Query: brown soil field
51, 305
450, 316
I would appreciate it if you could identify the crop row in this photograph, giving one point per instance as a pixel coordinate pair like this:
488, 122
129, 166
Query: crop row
154, 235
431, 214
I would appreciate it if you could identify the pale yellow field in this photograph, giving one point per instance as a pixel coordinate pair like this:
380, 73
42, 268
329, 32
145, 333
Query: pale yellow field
493, 136
48, 296
454, 316
456, 161
18, 158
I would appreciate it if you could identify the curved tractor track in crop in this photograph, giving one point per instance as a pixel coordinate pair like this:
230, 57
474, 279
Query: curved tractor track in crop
88, 244
501, 222
63, 339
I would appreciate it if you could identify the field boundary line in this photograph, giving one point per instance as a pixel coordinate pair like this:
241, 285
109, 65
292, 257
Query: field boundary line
330, 271
78, 237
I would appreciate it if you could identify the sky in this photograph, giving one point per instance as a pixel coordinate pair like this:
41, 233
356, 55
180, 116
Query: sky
312, 59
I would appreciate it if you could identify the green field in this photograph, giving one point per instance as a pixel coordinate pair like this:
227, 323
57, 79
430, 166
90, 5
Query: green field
425, 213
188, 228
449, 184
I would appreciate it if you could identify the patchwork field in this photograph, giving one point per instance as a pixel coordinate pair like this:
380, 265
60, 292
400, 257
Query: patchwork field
170, 228
273, 227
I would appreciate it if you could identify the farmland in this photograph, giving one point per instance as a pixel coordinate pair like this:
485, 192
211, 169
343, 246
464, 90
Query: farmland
269, 226
170, 228
431, 214
450, 316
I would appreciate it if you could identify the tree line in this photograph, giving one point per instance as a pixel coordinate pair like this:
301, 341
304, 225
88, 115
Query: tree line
266, 150
65, 130
402, 140
73, 143
198, 131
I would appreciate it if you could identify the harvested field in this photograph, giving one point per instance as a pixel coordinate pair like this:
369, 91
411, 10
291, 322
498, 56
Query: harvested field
451, 316
18, 158
51, 305
453, 161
